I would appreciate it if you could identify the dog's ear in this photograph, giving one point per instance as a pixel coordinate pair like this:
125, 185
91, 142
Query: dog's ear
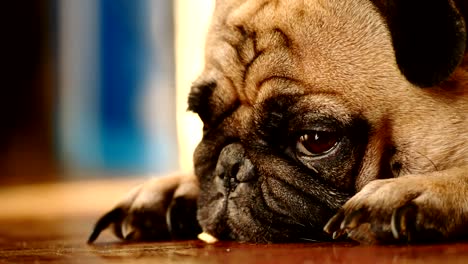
429, 37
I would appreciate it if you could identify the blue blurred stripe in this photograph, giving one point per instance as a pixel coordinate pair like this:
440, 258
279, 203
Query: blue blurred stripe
123, 49
112, 65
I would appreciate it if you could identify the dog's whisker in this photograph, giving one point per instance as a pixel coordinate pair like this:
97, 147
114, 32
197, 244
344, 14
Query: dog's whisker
309, 239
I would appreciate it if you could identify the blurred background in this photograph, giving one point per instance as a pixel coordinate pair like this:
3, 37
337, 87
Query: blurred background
97, 88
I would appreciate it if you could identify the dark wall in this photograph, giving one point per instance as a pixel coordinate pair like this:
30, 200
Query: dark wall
27, 92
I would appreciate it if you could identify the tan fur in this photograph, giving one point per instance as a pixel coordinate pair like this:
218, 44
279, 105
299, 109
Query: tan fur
339, 55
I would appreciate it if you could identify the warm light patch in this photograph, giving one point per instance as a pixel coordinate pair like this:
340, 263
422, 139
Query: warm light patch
192, 21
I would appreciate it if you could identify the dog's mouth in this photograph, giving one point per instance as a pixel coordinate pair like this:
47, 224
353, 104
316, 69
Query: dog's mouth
258, 212
233, 185
244, 202
228, 214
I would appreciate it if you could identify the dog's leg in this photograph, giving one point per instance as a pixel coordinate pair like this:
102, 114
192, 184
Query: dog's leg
415, 208
162, 208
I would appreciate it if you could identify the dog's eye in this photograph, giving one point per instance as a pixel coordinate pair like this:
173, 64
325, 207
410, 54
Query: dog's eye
317, 143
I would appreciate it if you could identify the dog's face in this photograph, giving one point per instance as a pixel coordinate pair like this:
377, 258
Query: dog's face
305, 102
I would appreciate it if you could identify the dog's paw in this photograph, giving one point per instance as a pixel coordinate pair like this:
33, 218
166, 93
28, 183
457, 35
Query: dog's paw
160, 209
414, 209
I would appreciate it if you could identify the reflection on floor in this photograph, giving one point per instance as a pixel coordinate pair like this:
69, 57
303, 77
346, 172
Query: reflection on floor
50, 224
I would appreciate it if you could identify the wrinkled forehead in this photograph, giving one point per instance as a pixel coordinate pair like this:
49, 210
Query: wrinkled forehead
264, 12
322, 43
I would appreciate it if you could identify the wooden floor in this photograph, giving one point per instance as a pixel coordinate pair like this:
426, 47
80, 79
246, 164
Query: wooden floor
50, 224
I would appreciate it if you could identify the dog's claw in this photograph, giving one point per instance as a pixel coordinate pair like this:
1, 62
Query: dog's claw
335, 235
128, 231
339, 233
342, 223
333, 224
352, 220
114, 218
400, 219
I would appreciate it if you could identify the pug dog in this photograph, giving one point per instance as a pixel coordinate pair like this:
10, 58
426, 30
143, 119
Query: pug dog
323, 119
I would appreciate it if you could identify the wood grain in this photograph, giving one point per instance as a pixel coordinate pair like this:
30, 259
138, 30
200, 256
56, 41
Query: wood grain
49, 223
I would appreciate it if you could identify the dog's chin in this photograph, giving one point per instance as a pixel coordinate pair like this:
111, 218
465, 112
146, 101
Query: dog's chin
254, 212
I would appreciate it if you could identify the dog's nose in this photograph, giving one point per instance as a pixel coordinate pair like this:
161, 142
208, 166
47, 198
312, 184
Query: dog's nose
233, 166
